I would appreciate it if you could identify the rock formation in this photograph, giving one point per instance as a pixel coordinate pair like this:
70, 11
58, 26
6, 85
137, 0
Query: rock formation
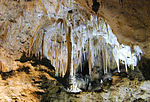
83, 41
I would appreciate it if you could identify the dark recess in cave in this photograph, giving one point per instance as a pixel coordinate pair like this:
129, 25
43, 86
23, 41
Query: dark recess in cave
28, 0
70, 11
44, 61
24, 69
144, 67
121, 2
95, 6
9, 74
87, 2
6, 75
84, 70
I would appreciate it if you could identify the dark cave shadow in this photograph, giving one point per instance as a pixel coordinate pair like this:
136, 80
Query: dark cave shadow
36, 61
52, 89
144, 67
6, 75
11, 73
24, 58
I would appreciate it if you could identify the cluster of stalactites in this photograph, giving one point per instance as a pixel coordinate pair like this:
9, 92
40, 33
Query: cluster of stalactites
91, 38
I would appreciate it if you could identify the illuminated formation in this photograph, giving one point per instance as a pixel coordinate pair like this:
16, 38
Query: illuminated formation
73, 36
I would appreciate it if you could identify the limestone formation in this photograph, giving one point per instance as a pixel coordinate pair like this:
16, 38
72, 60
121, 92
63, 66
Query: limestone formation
86, 44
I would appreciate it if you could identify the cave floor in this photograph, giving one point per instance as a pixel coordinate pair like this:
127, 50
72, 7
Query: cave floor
35, 84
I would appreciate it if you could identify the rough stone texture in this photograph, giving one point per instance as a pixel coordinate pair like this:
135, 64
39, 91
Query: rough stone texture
19, 20
23, 85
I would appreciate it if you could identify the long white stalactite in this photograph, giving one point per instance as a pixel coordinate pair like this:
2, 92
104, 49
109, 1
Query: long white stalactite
92, 38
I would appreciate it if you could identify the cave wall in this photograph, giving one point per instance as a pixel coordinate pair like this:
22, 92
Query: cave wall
19, 21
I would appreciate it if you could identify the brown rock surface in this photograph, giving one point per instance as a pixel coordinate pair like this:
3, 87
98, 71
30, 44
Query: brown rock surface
23, 85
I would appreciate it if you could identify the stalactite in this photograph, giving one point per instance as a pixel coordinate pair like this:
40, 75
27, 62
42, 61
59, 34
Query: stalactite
5, 30
1, 26
74, 37
58, 7
43, 43
89, 58
32, 40
106, 58
69, 47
